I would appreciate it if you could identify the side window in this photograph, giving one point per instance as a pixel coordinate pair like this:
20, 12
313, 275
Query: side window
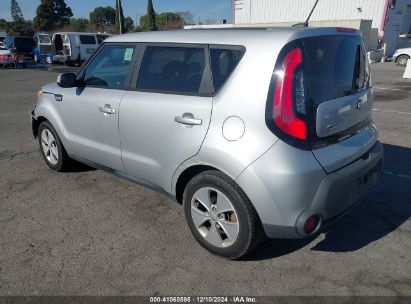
87, 39
109, 68
173, 69
223, 63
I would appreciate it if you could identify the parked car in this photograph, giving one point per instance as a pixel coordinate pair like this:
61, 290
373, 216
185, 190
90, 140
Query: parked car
43, 47
6, 57
401, 56
74, 48
21, 47
256, 132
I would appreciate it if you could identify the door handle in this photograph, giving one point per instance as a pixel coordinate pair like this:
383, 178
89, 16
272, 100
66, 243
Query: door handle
107, 109
188, 119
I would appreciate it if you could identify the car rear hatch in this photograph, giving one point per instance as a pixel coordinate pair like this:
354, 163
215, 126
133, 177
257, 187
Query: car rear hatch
341, 99
320, 97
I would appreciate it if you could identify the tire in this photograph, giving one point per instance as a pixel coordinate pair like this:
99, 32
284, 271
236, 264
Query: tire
220, 216
402, 60
56, 158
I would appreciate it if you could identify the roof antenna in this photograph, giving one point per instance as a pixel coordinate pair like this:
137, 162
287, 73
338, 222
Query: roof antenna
305, 24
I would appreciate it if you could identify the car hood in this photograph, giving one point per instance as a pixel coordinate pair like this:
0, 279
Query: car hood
5, 52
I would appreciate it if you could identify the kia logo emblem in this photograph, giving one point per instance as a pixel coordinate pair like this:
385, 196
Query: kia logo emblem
358, 104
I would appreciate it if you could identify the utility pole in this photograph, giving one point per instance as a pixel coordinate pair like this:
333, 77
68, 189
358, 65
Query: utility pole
119, 17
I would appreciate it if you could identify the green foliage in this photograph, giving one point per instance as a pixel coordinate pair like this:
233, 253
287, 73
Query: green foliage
20, 28
79, 24
168, 20
150, 20
164, 21
103, 17
128, 25
16, 13
3, 24
52, 14
119, 17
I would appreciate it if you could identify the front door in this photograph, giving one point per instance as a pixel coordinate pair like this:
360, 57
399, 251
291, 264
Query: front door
165, 118
91, 112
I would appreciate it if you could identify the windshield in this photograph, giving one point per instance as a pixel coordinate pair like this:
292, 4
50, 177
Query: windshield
3, 47
44, 39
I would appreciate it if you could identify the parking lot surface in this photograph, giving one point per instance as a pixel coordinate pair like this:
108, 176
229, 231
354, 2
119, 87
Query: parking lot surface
90, 233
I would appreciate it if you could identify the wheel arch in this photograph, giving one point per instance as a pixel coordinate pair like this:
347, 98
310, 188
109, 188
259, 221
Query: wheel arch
35, 124
186, 175
402, 55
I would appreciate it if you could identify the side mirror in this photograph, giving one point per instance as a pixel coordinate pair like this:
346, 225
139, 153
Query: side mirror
67, 80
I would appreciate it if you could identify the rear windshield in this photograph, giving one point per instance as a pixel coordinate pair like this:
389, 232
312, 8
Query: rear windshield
23, 42
336, 66
44, 39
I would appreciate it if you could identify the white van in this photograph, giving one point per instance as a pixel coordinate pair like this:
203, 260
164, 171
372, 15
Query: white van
74, 48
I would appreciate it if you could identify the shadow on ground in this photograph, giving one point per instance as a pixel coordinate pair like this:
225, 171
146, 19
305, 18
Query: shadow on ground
381, 212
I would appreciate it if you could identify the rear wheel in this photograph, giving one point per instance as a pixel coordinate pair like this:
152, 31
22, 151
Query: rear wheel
402, 60
52, 149
220, 216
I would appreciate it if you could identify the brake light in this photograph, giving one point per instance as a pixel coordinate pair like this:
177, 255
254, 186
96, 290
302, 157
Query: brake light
289, 93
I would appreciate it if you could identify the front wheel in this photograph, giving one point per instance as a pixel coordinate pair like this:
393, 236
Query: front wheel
51, 148
402, 60
220, 216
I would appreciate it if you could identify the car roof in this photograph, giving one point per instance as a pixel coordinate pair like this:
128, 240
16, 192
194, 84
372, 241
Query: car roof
80, 33
222, 36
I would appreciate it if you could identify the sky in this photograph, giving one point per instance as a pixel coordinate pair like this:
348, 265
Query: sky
201, 9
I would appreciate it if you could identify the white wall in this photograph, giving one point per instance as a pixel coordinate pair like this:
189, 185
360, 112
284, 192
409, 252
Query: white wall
295, 11
266, 11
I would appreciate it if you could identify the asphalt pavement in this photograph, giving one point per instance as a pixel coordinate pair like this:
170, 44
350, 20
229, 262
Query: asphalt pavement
90, 233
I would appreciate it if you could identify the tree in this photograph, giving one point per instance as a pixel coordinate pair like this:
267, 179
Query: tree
128, 25
20, 28
103, 17
187, 17
3, 24
16, 13
151, 17
169, 20
119, 17
52, 14
79, 24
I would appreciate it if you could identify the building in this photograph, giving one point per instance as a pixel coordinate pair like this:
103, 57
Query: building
387, 19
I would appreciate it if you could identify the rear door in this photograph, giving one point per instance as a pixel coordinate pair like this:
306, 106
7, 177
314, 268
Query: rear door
165, 116
341, 96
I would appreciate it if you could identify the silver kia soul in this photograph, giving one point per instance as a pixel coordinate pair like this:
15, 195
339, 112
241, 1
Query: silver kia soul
258, 133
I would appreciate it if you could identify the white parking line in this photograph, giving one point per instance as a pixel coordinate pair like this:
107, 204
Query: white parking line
396, 174
390, 89
392, 111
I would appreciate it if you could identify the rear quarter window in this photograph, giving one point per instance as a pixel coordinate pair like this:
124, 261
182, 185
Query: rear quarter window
223, 63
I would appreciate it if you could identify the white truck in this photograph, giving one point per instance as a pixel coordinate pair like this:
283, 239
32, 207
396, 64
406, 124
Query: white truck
75, 47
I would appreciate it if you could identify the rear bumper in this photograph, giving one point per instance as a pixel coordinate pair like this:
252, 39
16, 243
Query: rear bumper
297, 188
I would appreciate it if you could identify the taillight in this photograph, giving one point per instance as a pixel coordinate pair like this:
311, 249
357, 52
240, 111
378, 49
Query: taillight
289, 95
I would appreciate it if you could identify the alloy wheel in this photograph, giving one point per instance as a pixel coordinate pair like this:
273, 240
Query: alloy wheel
49, 145
214, 217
